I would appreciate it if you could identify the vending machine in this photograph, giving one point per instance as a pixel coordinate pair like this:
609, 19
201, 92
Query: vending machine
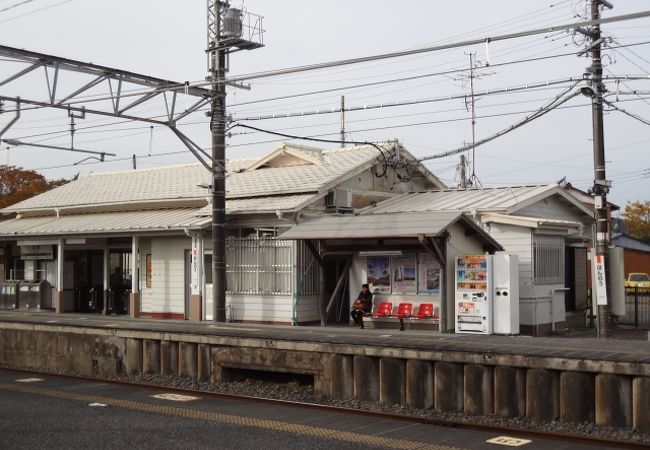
473, 294
487, 294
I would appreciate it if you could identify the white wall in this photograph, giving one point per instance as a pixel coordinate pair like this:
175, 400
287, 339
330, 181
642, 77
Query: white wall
537, 303
167, 292
146, 294
270, 308
265, 308
359, 276
556, 208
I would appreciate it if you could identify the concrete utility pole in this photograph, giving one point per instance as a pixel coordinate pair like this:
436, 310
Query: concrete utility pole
601, 185
218, 129
226, 30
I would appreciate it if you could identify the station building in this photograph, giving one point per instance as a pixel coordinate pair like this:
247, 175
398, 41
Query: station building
303, 227
149, 229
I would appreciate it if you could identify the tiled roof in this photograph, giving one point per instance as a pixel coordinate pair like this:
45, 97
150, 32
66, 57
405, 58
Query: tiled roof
126, 221
260, 205
336, 165
144, 185
182, 182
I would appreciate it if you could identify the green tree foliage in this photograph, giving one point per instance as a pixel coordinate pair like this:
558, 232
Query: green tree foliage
637, 220
17, 184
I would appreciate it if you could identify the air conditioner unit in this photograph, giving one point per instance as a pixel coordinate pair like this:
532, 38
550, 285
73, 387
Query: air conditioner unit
339, 201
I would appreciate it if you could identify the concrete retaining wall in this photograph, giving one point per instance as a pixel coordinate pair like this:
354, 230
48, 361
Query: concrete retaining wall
540, 388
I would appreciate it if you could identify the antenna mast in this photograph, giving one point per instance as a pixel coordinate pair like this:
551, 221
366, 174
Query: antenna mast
342, 120
473, 179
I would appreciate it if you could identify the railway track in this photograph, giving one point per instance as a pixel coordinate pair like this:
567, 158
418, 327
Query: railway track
453, 424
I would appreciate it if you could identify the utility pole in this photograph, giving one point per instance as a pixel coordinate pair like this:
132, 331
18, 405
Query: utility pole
601, 185
228, 28
218, 129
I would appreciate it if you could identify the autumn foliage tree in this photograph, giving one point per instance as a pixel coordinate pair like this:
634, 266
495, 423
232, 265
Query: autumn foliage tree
17, 184
637, 220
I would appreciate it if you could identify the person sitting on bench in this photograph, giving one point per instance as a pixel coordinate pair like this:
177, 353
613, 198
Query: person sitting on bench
362, 305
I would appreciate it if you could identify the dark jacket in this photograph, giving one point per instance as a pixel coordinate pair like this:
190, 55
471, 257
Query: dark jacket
366, 298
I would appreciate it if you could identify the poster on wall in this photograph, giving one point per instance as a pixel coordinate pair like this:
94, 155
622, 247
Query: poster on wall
429, 276
404, 273
379, 274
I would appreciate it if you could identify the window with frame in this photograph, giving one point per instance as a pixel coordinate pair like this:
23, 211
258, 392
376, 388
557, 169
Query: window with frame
548, 259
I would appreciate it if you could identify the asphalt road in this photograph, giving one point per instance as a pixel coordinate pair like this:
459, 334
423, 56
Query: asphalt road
38, 412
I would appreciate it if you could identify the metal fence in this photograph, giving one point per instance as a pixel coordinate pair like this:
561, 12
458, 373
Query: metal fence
637, 308
259, 266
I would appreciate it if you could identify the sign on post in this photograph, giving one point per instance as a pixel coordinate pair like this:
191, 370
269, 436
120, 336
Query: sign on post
600, 284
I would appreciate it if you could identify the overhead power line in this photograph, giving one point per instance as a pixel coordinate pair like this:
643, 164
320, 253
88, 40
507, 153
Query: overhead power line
410, 102
15, 5
541, 112
35, 11
53, 147
634, 116
434, 48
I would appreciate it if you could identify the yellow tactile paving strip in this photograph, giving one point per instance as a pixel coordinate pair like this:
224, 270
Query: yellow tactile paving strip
229, 419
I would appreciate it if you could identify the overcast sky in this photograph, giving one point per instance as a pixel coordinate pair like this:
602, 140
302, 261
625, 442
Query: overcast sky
167, 39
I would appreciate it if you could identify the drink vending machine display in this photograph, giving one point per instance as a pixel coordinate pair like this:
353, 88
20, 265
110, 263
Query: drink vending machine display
487, 294
473, 296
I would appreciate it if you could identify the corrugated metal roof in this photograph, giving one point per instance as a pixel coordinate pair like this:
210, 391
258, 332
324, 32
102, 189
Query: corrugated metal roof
507, 200
127, 221
404, 225
182, 182
348, 226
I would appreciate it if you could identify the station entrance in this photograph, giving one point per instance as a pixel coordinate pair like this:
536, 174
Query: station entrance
84, 278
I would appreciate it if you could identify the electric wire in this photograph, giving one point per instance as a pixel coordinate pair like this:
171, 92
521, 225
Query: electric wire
15, 5
442, 73
486, 116
467, 43
339, 88
558, 101
428, 162
397, 103
34, 11
634, 116
492, 28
